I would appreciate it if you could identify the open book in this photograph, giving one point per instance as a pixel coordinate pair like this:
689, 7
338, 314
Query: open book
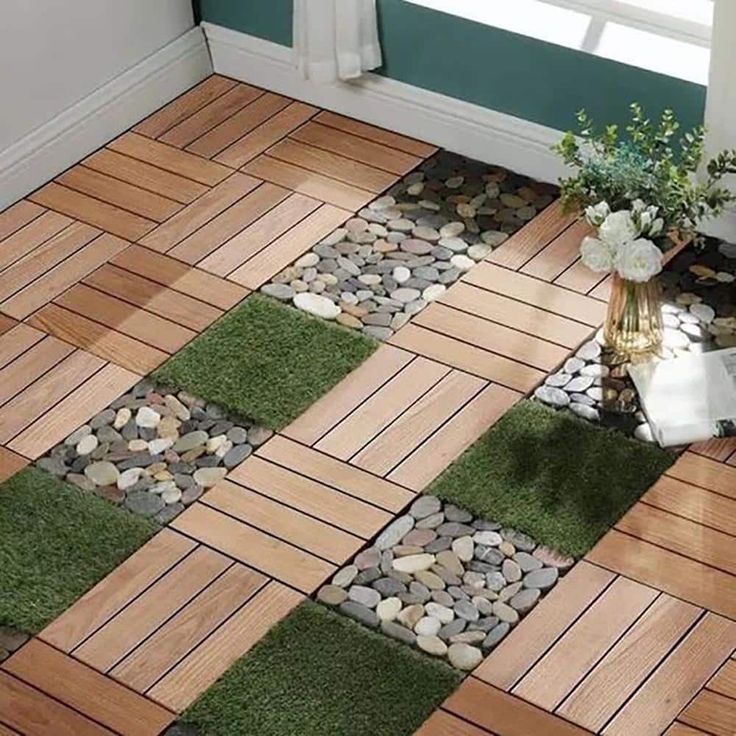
688, 399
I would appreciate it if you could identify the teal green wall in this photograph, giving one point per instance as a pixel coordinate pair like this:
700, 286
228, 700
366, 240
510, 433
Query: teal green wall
514, 74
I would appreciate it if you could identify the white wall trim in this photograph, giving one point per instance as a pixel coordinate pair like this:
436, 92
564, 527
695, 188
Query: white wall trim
447, 122
103, 114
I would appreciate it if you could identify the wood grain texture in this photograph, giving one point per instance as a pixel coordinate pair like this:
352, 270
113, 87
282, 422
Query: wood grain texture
706, 473
18, 215
725, 680
562, 252
29, 237
714, 713
16, 341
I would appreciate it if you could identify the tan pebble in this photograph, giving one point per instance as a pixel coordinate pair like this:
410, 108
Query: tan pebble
507, 548
137, 445
348, 320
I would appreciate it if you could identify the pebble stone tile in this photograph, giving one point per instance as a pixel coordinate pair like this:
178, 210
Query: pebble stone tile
405, 248
11, 640
445, 582
154, 452
699, 314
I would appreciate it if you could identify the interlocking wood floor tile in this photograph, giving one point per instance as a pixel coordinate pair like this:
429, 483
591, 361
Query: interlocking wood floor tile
706, 473
580, 278
562, 252
17, 216
197, 671
724, 682
656, 704
713, 712
10, 463
27, 238
442, 723
6, 323
86, 691
113, 593
680, 729
717, 448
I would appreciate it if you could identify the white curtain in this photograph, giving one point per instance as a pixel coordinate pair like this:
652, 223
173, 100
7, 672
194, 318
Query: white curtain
335, 39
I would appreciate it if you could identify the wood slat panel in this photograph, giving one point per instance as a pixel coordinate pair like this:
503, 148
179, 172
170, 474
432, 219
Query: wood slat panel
418, 422
468, 358
713, 712
253, 547
266, 134
634, 657
212, 114
694, 503
10, 463
98, 339
359, 149
680, 576
308, 182
151, 609
329, 471
80, 405
280, 521
442, 723
706, 473
550, 262
111, 594
681, 676
119, 193
18, 215
518, 653
505, 714
517, 315
491, 336
180, 687
176, 275
289, 246
310, 496
193, 217
386, 405
349, 394
36, 714
28, 238
725, 681
580, 648
378, 135
223, 227
602, 292
330, 164
579, 278
525, 243
716, 448
184, 106
145, 175
447, 444
680, 535
253, 239
126, 318
64, 275
147, 294
229, 131
93, 211
170, 159
87, 691
181, 634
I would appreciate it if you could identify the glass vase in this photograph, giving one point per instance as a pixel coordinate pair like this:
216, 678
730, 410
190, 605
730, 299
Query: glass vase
634, 328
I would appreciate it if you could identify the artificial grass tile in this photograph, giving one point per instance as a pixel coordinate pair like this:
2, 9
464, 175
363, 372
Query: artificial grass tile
554, 476
56, 542
266, 361
320, 674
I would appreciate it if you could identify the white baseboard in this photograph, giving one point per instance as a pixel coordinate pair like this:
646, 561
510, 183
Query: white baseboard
459, 126
102, 115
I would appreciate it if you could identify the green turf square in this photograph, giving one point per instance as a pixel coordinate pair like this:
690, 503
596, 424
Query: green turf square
320, 674
266, 361
556, 477
56, 542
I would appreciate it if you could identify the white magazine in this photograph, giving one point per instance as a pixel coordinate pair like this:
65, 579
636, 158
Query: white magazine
684, 399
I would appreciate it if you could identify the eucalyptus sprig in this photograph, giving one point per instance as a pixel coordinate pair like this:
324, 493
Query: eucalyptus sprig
653, 162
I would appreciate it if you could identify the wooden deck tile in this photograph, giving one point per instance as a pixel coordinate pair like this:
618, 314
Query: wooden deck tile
6, 323
580, 278
146, 613
26, 239
716, 448
271, 131
656, 704
10, 463
254, 547
87, 691
64, 275
348, 395
629, 662
706, 473
552, 260
308, 182
442, 723
529, 641
328, 471
680, 729
429, 459
113, 593
283, 522
194, 623
505, 714
89, 398
16, 341
713, 712
197, 671
309, 496
207, 207
35, 714
18, 215
724, 682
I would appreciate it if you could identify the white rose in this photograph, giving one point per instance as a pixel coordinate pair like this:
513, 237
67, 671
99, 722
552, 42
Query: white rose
617, 229
596, 255
638, 260
596, 214
656, 227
